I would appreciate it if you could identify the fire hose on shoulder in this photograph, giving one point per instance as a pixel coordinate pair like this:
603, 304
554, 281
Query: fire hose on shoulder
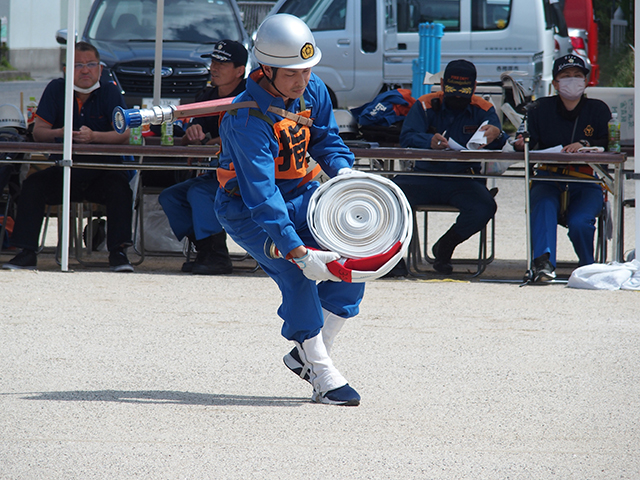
364, 218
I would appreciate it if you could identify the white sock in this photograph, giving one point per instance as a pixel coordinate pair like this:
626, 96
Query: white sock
323, 374
332, 326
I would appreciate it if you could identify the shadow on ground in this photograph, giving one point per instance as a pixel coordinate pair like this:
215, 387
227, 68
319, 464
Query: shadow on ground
167, 397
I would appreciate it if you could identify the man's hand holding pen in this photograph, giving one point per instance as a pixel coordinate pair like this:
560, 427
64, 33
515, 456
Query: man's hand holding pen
439, 141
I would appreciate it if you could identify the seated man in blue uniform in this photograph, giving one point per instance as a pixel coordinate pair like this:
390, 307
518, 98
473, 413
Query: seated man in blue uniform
189, 204
452, 113
94, 103
265, 187
574, 121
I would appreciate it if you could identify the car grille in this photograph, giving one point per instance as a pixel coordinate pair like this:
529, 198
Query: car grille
185, 79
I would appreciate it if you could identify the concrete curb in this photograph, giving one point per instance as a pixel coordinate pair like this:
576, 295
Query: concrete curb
14, 75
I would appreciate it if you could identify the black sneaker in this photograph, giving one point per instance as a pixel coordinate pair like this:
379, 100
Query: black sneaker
543, 270
25, 260
345, 396
118, 261
211, 262
441, 263
445, 268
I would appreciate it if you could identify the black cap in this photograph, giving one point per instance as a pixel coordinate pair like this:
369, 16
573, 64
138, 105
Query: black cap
459, 78
228, 51
569, 61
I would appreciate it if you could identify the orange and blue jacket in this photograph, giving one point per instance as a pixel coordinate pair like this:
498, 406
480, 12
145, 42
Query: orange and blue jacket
429, 115
265, 162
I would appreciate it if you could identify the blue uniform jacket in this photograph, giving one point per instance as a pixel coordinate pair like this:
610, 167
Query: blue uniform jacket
95, 113
429, 116
551, 124
250, 144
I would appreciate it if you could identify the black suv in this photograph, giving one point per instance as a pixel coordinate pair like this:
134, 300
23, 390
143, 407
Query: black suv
123, 31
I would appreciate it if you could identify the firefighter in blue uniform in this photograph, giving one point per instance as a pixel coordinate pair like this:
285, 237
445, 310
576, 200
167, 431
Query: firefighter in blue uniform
265, 187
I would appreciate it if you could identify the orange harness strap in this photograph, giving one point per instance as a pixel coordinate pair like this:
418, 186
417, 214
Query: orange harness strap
310, 176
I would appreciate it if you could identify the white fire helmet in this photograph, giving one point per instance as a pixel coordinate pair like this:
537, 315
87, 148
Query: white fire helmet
11, 117
285, 41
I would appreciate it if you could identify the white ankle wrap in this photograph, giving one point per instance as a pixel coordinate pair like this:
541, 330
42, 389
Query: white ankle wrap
332, 326
323, 374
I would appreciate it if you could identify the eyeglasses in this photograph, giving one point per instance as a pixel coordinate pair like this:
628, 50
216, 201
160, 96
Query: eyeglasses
80, 66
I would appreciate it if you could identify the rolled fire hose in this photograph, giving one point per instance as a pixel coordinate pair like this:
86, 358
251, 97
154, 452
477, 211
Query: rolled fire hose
366, 219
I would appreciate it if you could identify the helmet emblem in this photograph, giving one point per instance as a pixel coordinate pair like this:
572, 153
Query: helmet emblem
307, 51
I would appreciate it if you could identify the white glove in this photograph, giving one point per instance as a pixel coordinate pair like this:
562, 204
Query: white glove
314, 265
350, 171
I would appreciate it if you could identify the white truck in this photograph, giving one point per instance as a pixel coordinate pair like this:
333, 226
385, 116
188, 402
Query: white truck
369, 45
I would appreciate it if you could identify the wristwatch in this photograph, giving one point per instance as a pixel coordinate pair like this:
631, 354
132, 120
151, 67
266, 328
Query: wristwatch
206, 139
584, 143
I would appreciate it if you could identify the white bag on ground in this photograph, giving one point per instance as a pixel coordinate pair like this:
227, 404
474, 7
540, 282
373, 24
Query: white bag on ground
158, 236
494, 167
610, 276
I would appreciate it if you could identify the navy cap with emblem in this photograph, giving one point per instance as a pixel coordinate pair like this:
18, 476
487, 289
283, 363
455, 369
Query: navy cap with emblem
459, 78
569, 61
228, 51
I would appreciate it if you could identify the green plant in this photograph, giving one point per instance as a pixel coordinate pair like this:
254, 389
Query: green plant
624, 71
604, 10
4, 58
616, 68
4, 55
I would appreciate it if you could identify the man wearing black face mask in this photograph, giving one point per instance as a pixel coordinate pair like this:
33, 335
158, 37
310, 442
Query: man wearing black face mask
574, 121
452, 113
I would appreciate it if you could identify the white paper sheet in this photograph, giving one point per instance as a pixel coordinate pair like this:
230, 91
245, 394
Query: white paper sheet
453, 145
479, 138
556, 149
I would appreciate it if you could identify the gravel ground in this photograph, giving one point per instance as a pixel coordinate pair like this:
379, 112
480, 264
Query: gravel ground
159, 374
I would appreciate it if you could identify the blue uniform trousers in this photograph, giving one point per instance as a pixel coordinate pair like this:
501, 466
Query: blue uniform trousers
302, 299
470, 196
585, 203
189, 206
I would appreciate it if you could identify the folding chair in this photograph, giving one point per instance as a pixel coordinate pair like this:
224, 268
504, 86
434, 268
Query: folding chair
9, 204
419, 257
79, 229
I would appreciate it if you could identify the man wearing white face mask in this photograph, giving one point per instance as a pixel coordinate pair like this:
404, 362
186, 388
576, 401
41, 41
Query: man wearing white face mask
93, 105
574, 121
